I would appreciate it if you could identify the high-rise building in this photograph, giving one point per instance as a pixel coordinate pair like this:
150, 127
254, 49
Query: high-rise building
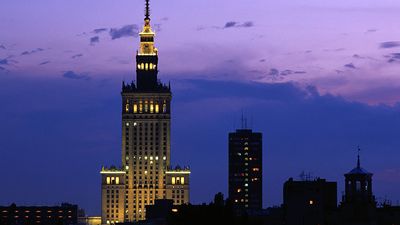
245, 170
309, 201
146, 173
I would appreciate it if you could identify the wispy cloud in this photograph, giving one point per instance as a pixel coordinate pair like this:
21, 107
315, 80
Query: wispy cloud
44, 63
75, 76
32, 51
125, 31
228, 25
99, 30
394, 57
4, 62
2, 47
350, 65
390, 44
94, 40
233, 24
76, 56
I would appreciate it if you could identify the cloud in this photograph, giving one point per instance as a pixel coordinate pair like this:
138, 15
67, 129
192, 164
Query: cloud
233, 24
44, 63
76, 56
94, 40
99, 30
75, 76
390, 44
32, 51
394, 57
350, 65
125, 31
371, 31
2, 47
4, 62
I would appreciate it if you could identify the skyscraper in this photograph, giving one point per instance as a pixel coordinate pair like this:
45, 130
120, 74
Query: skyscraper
146, 146
245, 170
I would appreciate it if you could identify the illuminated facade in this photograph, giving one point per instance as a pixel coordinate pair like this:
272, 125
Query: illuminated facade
146, 173
245, 170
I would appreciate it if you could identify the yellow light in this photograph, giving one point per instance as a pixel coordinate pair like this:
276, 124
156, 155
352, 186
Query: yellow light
157, 108
151, 108
135, 108
311, 202
173, 180
127, 108
108, 180
151, 66
175, 210
147, 66
117, 180
182, 180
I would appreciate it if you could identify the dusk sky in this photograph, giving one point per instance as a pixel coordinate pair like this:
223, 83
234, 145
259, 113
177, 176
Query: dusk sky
318, 78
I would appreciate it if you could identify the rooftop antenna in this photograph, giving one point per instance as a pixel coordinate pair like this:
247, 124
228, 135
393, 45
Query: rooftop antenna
358, 157
243, 126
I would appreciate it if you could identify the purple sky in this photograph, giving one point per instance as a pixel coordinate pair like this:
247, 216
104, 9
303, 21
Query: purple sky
302, 67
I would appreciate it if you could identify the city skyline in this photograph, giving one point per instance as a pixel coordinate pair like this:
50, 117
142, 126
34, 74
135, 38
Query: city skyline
299, 117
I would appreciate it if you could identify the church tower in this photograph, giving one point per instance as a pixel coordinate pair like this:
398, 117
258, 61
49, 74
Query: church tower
146, 142
358, 204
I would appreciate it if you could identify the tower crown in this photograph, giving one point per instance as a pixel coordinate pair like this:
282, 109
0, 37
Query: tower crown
147, 35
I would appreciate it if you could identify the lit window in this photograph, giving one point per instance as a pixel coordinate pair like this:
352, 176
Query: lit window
165, 158
246, 185
142, 66
173, 180
311, 202
127, 108
127, 167
151, 108
117, 180
151, 66
135, 108
108, 180
138, 66
147, 66
157, 108
182, 180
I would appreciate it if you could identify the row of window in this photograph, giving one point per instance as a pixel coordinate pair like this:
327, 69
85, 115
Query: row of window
146, 66
145, 108
112, 180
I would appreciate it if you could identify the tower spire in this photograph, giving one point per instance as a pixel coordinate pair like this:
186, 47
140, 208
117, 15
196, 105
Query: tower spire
358, 158
147, 10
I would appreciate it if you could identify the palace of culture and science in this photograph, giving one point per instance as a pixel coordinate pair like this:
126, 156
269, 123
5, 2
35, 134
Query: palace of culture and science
146, 174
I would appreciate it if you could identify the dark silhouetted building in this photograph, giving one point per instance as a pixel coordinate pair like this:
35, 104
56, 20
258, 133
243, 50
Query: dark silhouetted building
245, 170
66, 214
358, 205
309, 202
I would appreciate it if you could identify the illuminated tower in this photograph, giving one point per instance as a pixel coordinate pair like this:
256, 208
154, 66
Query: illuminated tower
146, 146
